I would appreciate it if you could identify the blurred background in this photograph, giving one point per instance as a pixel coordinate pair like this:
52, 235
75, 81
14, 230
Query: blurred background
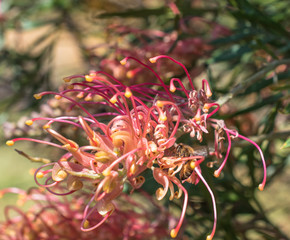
242, 47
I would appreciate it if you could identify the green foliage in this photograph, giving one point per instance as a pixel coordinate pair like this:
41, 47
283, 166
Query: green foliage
286, 144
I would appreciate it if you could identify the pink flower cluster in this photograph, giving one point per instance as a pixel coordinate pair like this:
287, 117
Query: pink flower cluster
138, 133
52, 217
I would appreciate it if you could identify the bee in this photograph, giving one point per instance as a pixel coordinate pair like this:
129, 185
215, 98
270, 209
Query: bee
185, 171
183, 150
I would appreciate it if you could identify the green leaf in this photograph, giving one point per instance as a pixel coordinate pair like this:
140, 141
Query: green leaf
142, 13
280, 87
240, 34
249, 13
234, 53
286, 144
258, 86
285, 110
263, 102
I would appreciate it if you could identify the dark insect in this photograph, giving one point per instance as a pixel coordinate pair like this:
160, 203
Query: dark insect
183, 150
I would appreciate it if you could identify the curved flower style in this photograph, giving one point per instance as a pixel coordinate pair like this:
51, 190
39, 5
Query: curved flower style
52, 217
139, 133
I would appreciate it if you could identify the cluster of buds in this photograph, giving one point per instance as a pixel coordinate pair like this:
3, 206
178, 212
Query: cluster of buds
139, 133
53, 217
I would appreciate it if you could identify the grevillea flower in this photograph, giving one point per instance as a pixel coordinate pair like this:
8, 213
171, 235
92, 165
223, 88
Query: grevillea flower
53, 217
138, 133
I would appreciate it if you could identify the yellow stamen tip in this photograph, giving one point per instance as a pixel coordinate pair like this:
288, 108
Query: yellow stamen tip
106, 172
46, 126
261, 187
128, 93
159, 104
209, 237
152, 60
57, 97
123, 62
80, 95
163, 118
10, 143
37, 96
206, 106
172, 89
86, 224
66, 79
39, 175
192, 165
173, 233
216, 174
89, 78
70, 87
29, 122
88, 98
130, 74
113, 100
